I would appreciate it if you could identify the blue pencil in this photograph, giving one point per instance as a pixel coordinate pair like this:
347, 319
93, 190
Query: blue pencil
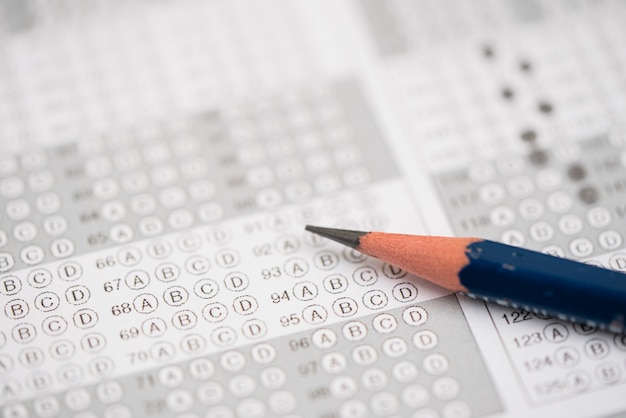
501, 273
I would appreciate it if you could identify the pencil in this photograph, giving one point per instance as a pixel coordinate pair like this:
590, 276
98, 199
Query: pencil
500, 273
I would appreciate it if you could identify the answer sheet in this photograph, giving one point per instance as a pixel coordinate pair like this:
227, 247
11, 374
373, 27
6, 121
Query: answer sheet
160, 160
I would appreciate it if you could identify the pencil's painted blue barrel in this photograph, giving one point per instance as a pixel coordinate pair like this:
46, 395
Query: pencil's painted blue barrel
556, 286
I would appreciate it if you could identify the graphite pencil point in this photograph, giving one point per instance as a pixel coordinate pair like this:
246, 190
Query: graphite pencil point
342, 236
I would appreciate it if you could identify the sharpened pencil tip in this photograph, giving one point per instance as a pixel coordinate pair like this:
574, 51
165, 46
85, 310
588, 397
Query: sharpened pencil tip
342, 236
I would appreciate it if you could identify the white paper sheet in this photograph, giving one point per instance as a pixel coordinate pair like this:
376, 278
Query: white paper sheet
161, 160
